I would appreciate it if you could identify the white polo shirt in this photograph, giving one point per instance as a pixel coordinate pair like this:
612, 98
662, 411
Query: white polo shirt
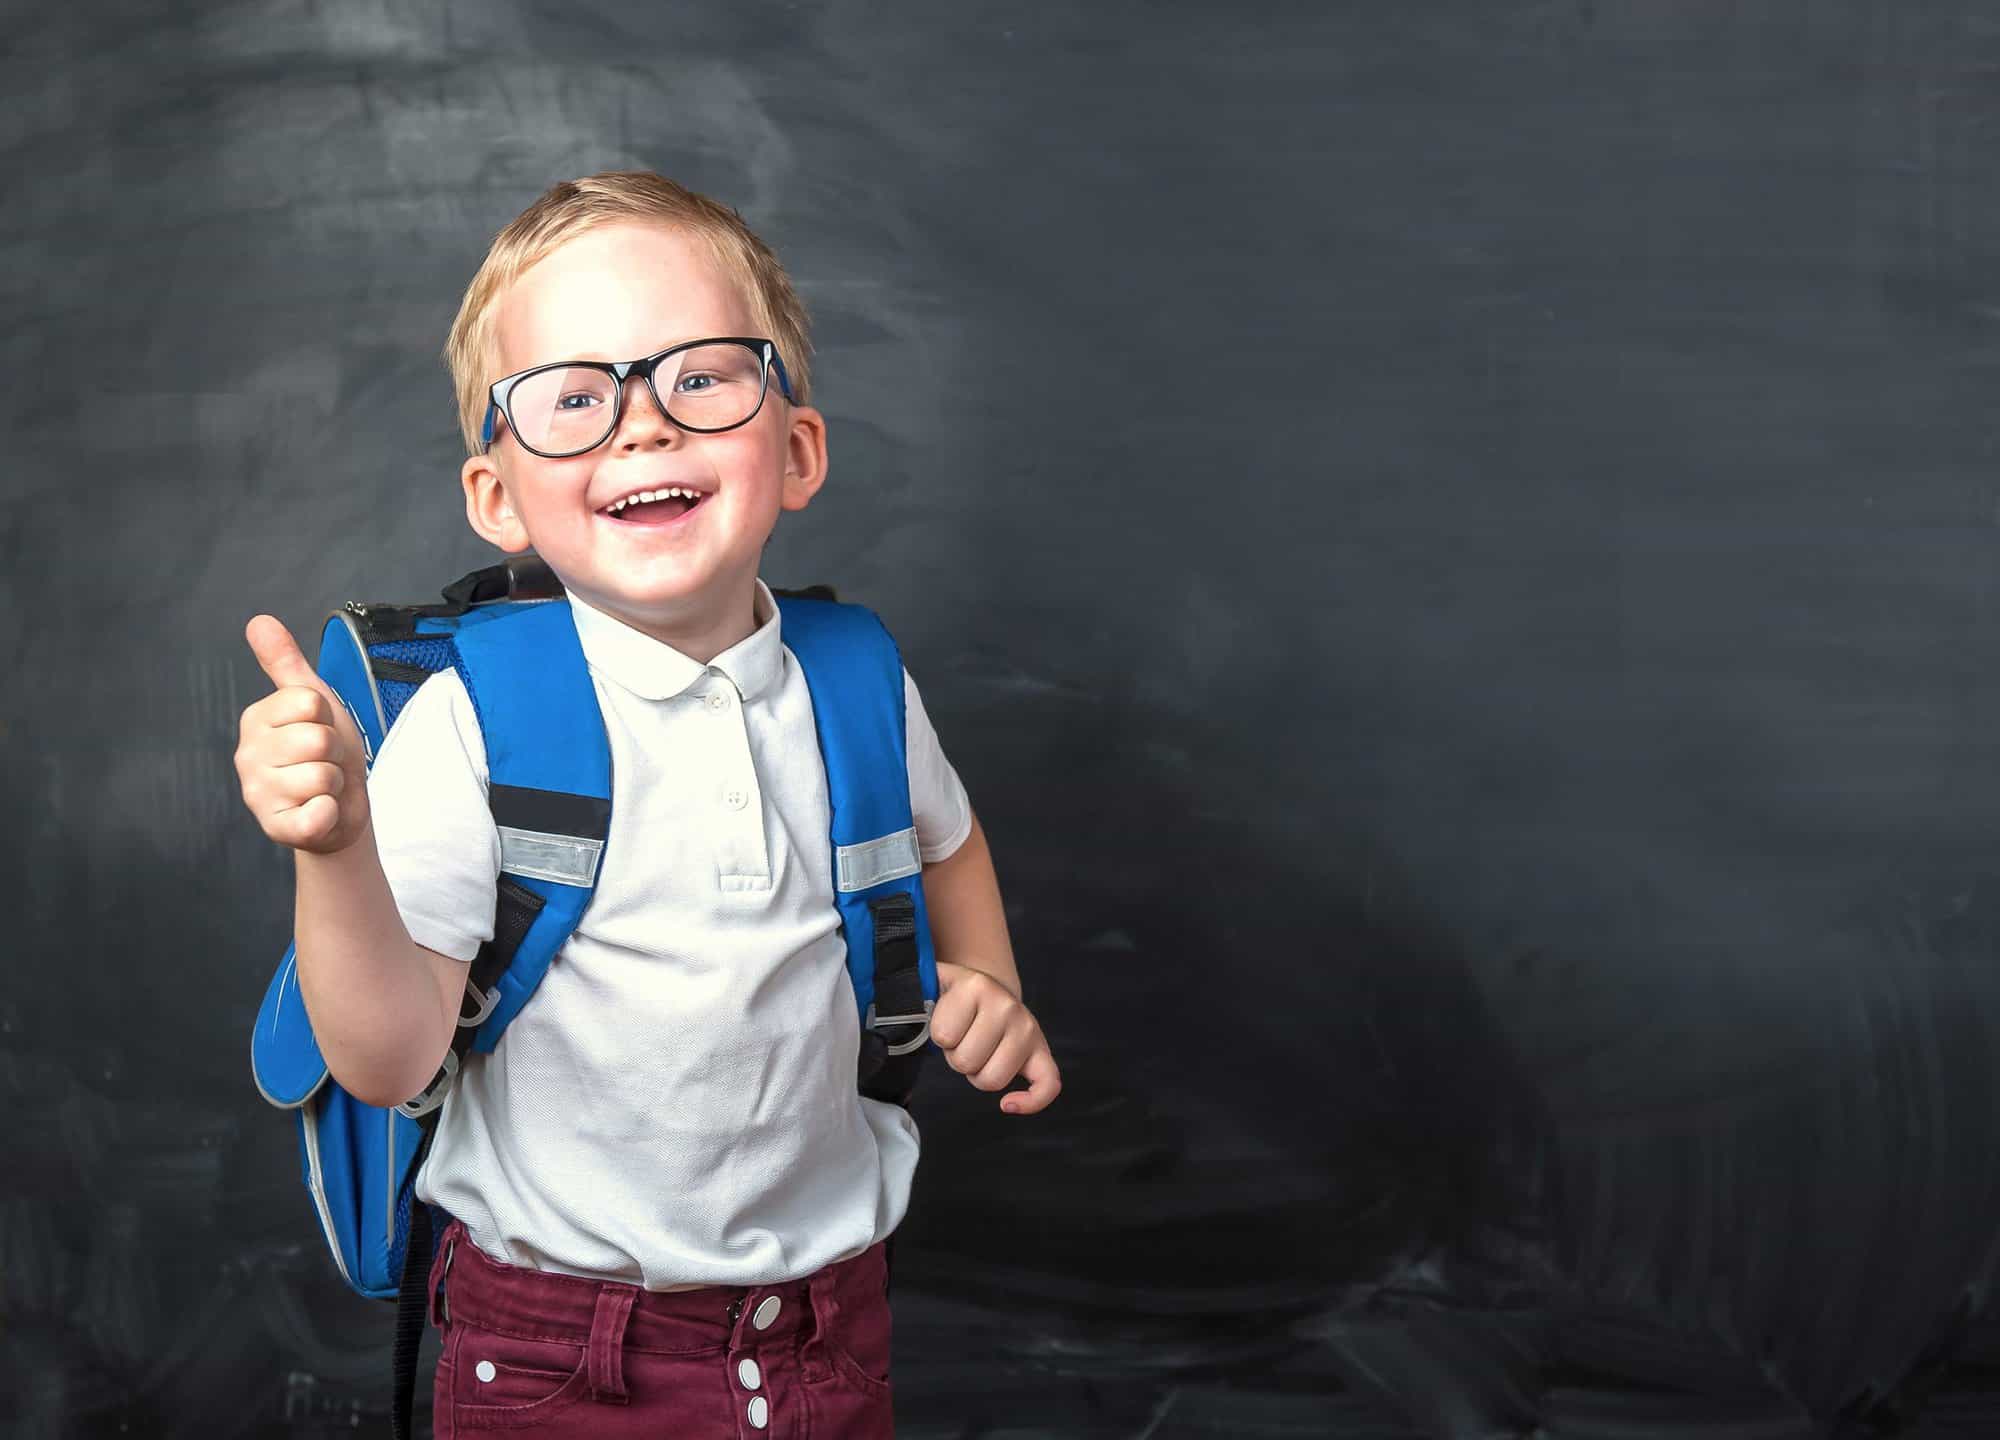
677, 1102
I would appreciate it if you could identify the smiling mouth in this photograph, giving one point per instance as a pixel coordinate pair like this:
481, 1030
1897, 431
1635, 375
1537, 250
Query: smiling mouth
664, 511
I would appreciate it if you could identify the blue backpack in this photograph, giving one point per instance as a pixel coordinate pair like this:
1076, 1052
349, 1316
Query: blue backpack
508, 632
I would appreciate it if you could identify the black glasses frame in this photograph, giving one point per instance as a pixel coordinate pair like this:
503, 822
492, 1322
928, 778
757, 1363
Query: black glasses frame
499, 395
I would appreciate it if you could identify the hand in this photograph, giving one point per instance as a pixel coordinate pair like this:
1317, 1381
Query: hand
989, 1036
298, 754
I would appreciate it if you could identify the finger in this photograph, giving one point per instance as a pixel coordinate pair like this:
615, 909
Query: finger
1005, 1063
293, 786
305, 825
278, 653
299, 743
953, 1015
290, 705
1044, 1084
977, 1049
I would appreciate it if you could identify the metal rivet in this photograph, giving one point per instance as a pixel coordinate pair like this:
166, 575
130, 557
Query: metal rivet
486, 1370
760, 1412
766, 1312
746, 1371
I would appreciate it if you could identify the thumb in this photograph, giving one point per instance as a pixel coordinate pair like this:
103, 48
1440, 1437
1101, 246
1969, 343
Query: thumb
279, 653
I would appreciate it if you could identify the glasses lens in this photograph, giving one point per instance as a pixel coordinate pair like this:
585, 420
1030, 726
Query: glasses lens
563, 410
711, 387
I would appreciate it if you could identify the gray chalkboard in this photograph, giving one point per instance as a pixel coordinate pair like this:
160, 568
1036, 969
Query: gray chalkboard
1452, 544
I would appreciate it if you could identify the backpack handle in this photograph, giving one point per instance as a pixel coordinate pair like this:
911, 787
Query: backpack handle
519, 577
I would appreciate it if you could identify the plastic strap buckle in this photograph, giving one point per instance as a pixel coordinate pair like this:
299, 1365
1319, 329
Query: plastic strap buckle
876, 1022
433, 1093
488, 1002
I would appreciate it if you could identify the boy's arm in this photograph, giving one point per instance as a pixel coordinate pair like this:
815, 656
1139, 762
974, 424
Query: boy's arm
383, 1007
985, 1031
968, 925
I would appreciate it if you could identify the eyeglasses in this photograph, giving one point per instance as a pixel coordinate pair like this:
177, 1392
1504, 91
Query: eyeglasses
574, 405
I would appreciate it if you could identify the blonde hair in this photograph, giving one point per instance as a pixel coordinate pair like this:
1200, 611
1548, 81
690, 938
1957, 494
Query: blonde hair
570, 207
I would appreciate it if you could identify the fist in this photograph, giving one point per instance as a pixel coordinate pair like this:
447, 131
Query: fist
299, 755
990, 1037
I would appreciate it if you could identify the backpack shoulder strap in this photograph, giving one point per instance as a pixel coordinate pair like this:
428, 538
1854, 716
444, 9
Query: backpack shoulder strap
548, 765
855, 674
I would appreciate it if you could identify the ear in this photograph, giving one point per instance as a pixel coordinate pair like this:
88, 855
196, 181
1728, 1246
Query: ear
805, 457
488, 507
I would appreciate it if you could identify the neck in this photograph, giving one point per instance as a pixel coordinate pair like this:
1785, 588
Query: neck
707, 627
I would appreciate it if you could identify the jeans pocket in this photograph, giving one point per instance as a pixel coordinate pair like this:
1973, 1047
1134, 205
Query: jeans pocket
507, 1381
854, 1330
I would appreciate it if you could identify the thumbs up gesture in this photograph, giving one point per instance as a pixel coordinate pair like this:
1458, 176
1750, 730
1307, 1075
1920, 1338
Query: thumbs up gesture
298, 754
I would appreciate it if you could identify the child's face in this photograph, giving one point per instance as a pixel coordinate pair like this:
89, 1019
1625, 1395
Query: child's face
615, 293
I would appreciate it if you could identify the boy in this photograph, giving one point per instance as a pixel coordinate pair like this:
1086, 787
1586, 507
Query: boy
669, 1201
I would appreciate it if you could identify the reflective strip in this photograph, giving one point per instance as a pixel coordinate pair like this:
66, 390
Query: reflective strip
856, 867
565, 859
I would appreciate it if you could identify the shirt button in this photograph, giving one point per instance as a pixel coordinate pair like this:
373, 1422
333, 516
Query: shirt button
765, 1313
736, 799
718, 701
747, 1372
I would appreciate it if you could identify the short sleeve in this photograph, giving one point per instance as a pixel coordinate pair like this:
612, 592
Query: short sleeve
938, 801
433, 829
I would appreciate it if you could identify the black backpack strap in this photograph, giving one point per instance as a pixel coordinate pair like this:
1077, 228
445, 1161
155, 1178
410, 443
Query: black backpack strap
412, 1297
514, 912
898, 1005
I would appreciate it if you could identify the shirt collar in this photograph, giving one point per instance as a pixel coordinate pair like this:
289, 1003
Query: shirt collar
654, 670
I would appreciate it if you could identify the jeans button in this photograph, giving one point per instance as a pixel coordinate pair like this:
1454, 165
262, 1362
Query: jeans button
766, 1312
746, 1371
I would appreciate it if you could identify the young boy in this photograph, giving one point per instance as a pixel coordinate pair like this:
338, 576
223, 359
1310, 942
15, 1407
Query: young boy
668, 1199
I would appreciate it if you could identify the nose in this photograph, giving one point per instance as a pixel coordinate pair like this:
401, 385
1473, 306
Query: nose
643, 422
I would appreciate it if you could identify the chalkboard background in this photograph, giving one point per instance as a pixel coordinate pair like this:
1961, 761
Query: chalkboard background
1453, 545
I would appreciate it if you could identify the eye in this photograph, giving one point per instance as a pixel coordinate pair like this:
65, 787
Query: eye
684, 384
588, 399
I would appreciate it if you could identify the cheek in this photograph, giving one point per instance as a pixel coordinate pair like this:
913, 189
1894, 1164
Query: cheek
755, 476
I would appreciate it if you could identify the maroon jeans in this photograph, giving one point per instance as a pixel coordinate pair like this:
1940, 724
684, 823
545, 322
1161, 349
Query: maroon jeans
527, 1350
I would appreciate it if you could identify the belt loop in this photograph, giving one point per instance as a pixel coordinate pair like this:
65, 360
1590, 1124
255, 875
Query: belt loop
606, 1350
